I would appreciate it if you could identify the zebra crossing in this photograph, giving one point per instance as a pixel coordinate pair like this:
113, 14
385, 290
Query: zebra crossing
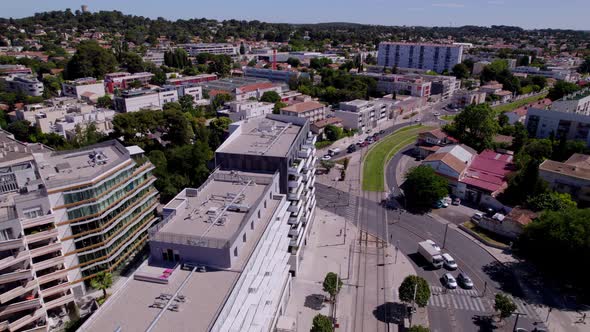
460, 299
524, 308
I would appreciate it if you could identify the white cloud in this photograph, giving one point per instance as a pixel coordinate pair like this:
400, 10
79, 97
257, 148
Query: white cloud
448, 5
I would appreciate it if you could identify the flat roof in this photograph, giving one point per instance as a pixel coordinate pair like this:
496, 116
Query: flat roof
130, 308
261, 136
303, 107
67, 167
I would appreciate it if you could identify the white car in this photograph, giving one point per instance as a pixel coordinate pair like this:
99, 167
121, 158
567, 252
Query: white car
449, 262
450, 281
326, 157
436, 113
434, 245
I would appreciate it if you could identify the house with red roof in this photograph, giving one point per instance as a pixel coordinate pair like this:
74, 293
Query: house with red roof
430, 141
519, 114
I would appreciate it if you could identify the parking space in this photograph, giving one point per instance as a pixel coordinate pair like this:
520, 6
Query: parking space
457, 214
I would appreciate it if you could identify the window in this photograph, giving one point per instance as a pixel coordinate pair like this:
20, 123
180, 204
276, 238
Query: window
258, 214
33, 212
6, 234
252, 224
265, 204
236, 251
244, 237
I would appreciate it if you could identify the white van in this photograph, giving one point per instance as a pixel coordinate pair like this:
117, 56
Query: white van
333, 151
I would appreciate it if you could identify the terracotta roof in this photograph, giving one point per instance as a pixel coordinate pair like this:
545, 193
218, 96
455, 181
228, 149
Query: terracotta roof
503, 139
488, 171
573, 170
256, 86
303, 107
326, 122
521, 216
448, 159
503, 93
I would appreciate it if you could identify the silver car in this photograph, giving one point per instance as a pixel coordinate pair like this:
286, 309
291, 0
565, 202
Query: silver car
450, 281
465, 281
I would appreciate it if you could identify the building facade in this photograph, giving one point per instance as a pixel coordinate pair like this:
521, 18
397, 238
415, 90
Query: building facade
363, 115
122, 80
84, 88
27, 84
310, 110
543, 123
270, 74
571, 176
436, 57
135, 100
242, 110
212, 48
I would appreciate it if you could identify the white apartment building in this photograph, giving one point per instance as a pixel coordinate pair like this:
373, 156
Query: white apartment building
26, 84
578, 102
543, 123
412, 85
154, 56
557, 73
247, 109
363, 115
135, 100
310, 110
191, 89
212, 48
100, 118
436, 57
87, 88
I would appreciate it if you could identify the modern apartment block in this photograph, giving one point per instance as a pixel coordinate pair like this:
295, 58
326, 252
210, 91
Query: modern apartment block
84, 88
122, 80
543, 123
436, 57
401, 84
310, 110
270, 74
229, 237
138, 99
34, 283
212, 48
26, 84
284, 144
191, 79
14, 69
362, 115
241, 88
242, 110
578, 102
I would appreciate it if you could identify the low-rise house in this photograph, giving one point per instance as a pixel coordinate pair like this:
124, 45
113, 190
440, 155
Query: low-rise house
247, 109
123, 80
14, 69
571, 176
429, 142
87, 88
310, 110
135, 100
503, 96
318, 127
464, 99
509, 226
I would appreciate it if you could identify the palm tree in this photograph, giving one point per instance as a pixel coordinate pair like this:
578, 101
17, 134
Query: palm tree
102, 281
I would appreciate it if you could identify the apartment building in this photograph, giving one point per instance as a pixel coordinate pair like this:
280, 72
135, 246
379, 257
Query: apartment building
191, 79
14, 69
464, 99
284, 144
401, 84
212, 48
543, 123
154, 56
87, 88
229, 235
26, 84
578, 102
442, 85
241, 88
122, 80
363, 115
557, 73
571, 176
190, 89
310, 110
34, 285
138, 99
436, 57
270, 74
247, 109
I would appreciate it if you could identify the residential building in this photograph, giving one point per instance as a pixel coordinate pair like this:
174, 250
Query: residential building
34, 284
212, 48
242, 88
191, 79
571, 176
436, 57
154, 56
26, 84
491, 87
15, 69
284, 144
318, 127
229, 235
138, 99
578, 102
479, 66
429, 142
543, 123
509, 226
270, 74
122, 80
363, 115
310, 110
412, 85
191, 89
557, 73
463, 99
87, 88
102, 119
442, 85
247, 109
519, 114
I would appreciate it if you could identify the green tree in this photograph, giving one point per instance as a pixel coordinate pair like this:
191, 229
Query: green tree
20, 129
102, 281
553, 201
521, 136
418, 328
422, 188
270, 97
333, 133
540, 81
420, 285
504, 305
561, 89
461, 71
294, 62
242, 49
332, 285
476, 126
322, 323
159, 77
105, 102
90, 60
327, 164
277, 108
218, 128
585, 66
132, 62
179, 130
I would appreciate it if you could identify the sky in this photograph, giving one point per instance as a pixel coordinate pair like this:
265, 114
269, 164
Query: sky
566, 14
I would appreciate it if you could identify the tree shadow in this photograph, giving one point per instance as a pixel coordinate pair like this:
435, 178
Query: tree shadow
504, 277
484, 323
314, 301
391, 312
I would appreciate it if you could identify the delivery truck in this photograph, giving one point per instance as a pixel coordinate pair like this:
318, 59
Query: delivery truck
430, 253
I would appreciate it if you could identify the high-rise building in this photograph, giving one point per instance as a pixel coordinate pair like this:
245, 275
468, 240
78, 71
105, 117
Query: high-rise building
436, 57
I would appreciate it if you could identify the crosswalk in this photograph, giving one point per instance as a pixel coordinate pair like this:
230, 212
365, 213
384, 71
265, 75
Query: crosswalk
469, 300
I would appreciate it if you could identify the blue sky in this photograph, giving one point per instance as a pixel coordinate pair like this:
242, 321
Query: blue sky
525, 13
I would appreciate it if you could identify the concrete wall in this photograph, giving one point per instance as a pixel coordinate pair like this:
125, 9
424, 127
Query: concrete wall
507, 228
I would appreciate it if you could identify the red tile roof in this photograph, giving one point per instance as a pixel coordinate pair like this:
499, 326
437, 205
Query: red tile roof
488, 171
256, 86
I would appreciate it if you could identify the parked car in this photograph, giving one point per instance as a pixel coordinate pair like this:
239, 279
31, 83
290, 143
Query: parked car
381, 132
438, 205
326, 157
433, 244
450, 281
477, 216
360, 142
363, 144
351, 148
465, 281
417, 120
443, 203
449, 262
457, 201
436, 113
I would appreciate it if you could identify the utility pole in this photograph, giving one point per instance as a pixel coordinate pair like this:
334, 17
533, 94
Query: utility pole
485, 287
518, 314
445, 239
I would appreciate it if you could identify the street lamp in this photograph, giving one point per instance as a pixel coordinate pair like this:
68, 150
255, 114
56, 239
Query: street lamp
445, 239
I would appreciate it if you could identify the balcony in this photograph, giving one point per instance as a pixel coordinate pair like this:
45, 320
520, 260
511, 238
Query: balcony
294, 208
28, 319
295, 195
294, 220
59, 301
295, 183
311, 140
11, 260
295, 230
39, 221
52, 276
310, 184
12, 244
16, 276
20, 306
63, 287
18, 291
44, 235
46, 249
304, 152
296, 167
55, 261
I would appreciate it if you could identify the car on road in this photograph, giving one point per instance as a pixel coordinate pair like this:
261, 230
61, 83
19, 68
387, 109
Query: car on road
434, 245
368, 131
326, 157
477, 216
381, 132
465, 281
456, 201
351, 148
436, 113
417, 120
449, 262
450, 281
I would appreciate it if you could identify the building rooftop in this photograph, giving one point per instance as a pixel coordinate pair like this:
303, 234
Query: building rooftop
489, 170
60, 168
12, 150
261, 136
303, 107
575, 166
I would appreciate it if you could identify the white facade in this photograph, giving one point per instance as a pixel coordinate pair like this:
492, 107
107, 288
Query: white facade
196, 49
544, 123
362, 114
578, 103
135, 100
436, 57
87, 88
26, 84
242, 110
